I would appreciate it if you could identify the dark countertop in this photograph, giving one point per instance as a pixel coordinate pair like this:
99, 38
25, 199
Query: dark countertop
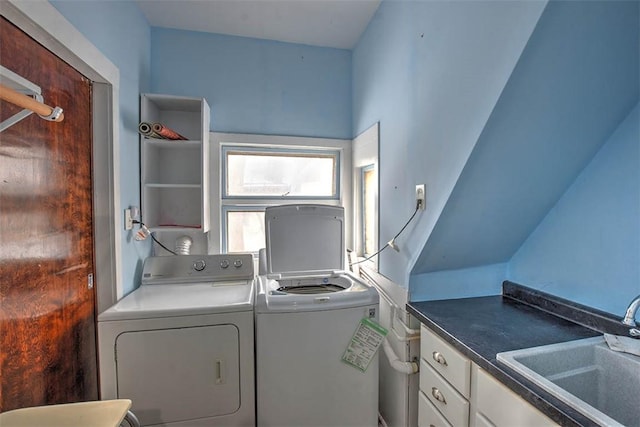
520, 318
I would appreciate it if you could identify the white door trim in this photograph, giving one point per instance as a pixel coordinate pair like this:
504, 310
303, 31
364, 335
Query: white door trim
43, 22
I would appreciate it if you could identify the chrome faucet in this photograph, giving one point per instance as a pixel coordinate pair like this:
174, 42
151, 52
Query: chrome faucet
630, 315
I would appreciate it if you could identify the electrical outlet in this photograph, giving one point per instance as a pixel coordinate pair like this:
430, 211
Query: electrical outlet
421, 197
128, 219
135, 212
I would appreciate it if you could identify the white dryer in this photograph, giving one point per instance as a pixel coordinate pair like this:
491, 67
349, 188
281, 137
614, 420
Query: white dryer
181, 345
307, 311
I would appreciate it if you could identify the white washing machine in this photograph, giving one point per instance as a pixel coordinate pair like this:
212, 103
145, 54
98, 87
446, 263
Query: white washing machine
308, 309
181, 345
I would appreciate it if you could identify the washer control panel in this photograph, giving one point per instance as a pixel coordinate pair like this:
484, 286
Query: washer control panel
197, 268
199, 265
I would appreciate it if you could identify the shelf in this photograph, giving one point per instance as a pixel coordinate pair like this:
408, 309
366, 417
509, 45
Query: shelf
172, 205
183, 115
178, 228
169, 162
179, 143
159, 185
175, 174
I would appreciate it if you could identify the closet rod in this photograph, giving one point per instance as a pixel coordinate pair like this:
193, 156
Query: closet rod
24, 101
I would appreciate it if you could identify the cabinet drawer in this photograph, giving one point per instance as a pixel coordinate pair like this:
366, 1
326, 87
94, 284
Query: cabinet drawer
428, 415
446, 360
443, 396
501, 406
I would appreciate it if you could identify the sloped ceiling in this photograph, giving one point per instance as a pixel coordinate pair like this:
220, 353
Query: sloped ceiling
327, 23
577, 78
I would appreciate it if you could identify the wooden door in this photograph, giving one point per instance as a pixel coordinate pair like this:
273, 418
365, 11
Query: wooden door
47, 310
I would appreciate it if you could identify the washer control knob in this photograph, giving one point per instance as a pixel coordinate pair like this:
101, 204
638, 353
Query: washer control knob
224, 263
199, 265
237, 263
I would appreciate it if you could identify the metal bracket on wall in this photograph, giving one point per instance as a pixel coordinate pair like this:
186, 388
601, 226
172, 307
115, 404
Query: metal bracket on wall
17, 87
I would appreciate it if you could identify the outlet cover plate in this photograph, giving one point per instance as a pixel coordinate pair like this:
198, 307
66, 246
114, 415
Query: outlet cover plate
128, 219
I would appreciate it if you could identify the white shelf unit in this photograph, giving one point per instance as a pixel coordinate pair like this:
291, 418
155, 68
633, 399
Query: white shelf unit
175, 174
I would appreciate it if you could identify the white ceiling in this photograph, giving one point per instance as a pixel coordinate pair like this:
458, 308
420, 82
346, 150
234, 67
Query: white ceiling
327, 23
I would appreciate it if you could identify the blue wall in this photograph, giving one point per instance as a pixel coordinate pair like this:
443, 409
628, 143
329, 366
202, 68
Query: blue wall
466, 282
587, 249
431, 73
499, 132
252, 86
576, 80
121, 32
257, 86
435, 75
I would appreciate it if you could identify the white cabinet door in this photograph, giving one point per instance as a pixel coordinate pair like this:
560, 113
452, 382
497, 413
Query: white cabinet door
499, 406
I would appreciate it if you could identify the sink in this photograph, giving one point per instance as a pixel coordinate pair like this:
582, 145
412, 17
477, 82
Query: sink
602, 384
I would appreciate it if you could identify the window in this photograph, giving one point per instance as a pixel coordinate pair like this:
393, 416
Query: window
366, 187
257, 171
369, 184
263, 172
244, 229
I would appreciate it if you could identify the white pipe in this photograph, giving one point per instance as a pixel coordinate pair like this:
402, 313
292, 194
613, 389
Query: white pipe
410, 332
401, 366
407, 329
394, 307
406, 338
397, 364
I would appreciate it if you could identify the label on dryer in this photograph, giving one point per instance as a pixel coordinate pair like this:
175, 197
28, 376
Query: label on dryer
364, 344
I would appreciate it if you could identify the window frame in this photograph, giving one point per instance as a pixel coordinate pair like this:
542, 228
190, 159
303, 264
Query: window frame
362, 211
269, 150
220, 204
366, 154
225, 209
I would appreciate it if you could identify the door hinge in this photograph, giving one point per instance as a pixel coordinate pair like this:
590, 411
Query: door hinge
90, 281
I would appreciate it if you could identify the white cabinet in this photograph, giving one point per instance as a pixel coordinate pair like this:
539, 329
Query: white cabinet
175, 174
495, 405
454, 392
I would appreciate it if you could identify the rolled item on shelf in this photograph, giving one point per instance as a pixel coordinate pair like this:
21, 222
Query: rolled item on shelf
165, 132
146, 129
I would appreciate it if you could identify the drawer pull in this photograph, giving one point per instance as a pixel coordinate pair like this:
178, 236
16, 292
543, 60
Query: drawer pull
437, 394
439, 358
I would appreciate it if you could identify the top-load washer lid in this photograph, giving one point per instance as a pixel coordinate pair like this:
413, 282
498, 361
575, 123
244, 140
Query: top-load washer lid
304, 239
